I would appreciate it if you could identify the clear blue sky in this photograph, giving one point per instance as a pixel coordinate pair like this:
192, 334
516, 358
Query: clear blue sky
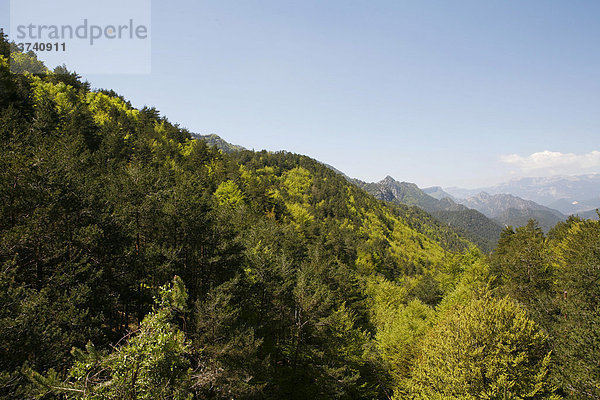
432, 92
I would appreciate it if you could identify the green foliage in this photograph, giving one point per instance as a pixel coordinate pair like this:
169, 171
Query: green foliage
400, 332
521, 263
576, 330
229, 364
150, 363
486, 349
228, 193
466, 277
472, 225
297, 183
26, 63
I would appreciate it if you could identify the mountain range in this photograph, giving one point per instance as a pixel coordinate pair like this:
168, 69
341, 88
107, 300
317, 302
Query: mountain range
505, 209
472, 224
510, 210
567, 194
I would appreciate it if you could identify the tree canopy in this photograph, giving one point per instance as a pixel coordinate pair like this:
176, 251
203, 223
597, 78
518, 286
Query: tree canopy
182, 271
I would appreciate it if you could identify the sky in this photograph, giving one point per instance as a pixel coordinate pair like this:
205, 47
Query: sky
460, 93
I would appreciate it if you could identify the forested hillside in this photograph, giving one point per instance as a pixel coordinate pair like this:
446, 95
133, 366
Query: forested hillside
140, 263
216, 141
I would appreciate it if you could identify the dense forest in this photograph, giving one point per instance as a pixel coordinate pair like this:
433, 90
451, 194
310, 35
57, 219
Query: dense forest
140, 263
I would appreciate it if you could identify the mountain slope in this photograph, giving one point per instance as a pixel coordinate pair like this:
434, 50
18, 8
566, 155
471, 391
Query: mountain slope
470, 223
406, 193
571, 206
592, 214
438, 193
214, 140
511, 210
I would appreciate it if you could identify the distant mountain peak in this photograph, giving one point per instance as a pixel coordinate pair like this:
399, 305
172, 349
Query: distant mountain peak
388, 180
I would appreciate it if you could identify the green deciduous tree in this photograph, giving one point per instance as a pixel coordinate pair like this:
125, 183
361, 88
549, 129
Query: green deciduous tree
486, 349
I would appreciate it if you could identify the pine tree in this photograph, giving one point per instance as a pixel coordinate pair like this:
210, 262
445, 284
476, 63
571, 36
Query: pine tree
577, 330
150, 363
523, 269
